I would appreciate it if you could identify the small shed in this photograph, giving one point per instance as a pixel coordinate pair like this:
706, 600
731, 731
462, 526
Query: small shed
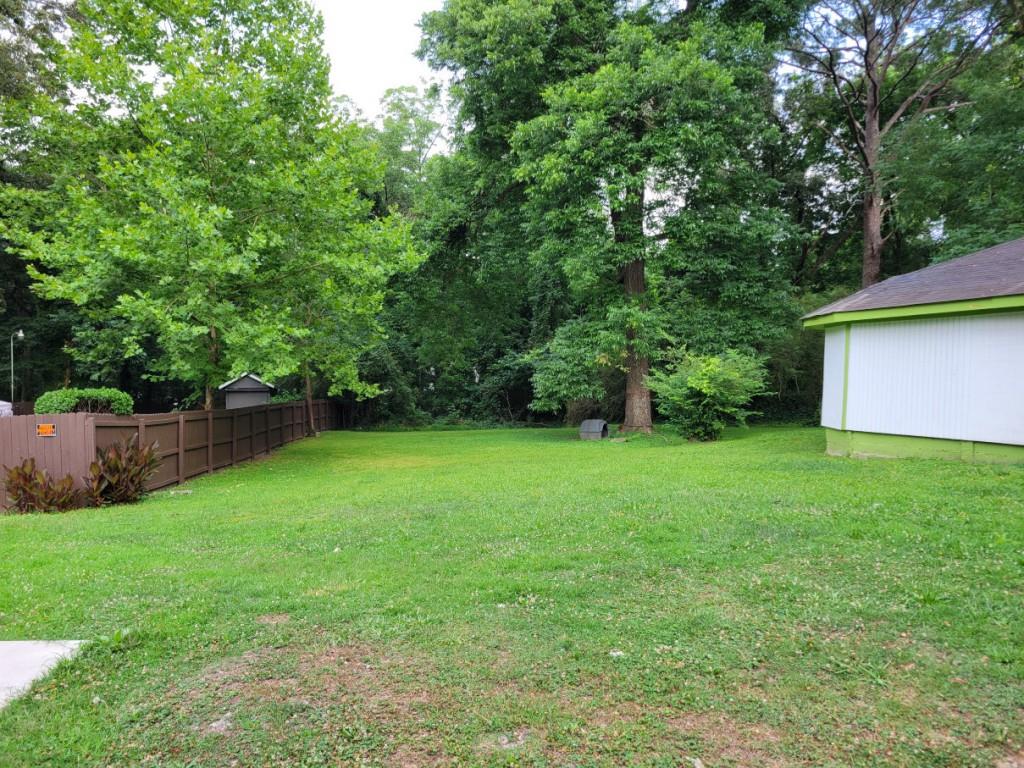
930, 363
245, 391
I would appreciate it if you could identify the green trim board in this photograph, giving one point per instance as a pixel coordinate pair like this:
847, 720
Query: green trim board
940, 309
872, 444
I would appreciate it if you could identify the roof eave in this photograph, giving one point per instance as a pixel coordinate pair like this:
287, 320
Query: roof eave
253, 376
939, 309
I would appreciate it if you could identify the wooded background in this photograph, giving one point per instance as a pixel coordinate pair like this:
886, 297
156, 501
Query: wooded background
601, 184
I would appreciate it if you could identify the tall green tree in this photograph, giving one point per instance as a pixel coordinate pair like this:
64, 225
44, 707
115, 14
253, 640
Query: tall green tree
410, 132
887, 62
585, 130
961, 184
216, 195
30, 31
487, 287
642, 170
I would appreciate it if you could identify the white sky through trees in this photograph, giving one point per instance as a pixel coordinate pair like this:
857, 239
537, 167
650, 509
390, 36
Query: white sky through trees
372, 46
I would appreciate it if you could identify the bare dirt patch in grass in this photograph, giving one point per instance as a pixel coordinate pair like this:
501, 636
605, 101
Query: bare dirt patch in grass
272, 619
726, 739
360, 704
502, 742
344, 703
389, 684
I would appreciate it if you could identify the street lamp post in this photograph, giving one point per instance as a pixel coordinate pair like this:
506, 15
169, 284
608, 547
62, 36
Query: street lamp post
19, 335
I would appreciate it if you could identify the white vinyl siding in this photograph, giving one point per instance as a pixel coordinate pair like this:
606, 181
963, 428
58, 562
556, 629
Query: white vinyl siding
960, 378
832, 384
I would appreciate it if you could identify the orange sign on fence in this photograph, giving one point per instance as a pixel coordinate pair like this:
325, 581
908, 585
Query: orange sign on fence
46, 430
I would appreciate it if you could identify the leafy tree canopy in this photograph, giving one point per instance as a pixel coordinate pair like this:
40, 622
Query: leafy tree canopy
214, 201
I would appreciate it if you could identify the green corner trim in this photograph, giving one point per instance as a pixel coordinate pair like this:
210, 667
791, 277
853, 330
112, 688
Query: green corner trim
873, 444
940, 309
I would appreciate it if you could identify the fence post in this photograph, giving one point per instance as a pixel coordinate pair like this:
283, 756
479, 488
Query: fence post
142, 432
234, 439
181, 448
209, 441
90, 440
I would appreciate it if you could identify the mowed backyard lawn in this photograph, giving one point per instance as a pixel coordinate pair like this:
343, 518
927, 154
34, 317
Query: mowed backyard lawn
518, 597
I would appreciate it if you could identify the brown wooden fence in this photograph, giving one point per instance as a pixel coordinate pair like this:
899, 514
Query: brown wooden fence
189, 443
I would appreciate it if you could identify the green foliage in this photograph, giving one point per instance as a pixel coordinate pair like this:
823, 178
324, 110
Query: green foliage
794, 363
961, 186
287, 396
652, 159
202, 204
30, 489
409, 132
702, 394
28, 31
89, 400
120, 472
210, 203
567, 368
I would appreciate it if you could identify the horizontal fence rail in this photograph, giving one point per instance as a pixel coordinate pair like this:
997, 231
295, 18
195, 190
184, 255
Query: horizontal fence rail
189, 443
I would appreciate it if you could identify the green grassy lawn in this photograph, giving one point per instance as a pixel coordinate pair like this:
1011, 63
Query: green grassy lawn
517, 597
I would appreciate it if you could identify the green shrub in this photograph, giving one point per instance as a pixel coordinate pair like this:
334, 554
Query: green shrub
287, 396
94, 400
120, 472
30, 489
702, 393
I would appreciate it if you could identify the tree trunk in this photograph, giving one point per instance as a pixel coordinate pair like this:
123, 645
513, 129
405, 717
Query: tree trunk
871, 267
309, 399
638, 395
214, 357
628, 225
871, 262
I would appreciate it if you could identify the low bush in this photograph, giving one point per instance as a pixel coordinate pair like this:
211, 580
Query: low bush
118, 476
702, 393
30, 489
287, 396
120, 472
94, 400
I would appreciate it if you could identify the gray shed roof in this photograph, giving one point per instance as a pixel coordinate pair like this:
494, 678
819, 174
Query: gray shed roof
995, 271
247, 382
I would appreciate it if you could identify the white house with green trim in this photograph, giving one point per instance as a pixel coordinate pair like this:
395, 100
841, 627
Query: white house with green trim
930, 363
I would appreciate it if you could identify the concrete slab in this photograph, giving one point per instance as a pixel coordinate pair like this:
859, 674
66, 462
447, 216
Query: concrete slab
22, 662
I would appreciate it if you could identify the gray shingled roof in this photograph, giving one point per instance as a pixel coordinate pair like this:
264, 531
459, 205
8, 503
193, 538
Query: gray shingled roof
995, 271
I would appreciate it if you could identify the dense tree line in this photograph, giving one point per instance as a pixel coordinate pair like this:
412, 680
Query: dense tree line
629, 179
605, 187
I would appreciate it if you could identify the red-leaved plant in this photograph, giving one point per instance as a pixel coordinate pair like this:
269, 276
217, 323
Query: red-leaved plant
120, 472
30, 489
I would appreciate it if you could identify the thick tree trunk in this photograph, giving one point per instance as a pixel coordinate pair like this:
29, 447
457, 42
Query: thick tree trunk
871, 267
638, 395
628, 225
309, 400
208, 399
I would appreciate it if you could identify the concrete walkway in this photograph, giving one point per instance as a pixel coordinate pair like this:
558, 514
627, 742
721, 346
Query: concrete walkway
22, 662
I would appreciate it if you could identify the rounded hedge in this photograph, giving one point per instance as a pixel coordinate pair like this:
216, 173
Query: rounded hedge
89, 400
